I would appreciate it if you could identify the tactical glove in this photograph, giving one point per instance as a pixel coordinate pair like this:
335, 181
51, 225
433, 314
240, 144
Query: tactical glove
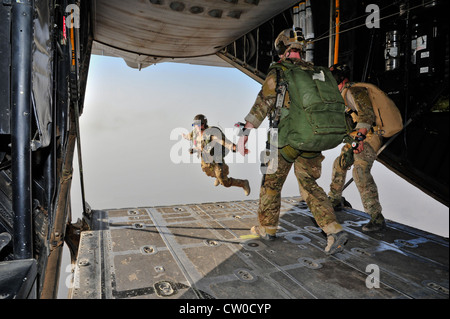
359, 139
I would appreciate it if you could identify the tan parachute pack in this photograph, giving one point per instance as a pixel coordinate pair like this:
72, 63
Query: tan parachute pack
388, 118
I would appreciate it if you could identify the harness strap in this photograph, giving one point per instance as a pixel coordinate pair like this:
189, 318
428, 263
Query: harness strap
281, 93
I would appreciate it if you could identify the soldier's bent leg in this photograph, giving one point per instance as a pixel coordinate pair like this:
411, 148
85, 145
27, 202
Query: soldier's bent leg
208, 169
222, 171
338, 177
241, 183
366, 184
307, 172
270, 196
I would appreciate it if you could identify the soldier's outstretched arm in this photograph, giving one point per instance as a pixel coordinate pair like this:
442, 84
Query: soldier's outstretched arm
243, 140
264, 103
188, 136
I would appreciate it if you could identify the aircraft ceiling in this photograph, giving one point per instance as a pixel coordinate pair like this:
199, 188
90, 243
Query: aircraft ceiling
145, 32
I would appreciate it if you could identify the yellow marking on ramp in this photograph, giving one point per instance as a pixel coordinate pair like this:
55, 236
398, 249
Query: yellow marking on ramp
251, 236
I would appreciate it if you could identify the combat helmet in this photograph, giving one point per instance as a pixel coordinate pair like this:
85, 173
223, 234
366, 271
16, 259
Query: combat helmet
200, 118
340, 71
290, 39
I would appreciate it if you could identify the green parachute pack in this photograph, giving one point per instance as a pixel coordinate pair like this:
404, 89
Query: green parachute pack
315, 120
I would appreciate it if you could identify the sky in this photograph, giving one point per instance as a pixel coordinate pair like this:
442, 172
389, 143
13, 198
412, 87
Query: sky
133, 154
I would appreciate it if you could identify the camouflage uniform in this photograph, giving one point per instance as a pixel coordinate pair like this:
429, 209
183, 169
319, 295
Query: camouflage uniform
307, 168
214, 166
358, 100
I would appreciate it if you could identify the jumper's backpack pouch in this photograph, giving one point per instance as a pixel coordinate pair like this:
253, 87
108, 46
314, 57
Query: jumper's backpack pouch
315, 120
214, 151
388, 118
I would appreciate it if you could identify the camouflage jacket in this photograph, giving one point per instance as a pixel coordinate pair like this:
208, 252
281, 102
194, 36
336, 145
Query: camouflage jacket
357, 99
267, 96
208, 138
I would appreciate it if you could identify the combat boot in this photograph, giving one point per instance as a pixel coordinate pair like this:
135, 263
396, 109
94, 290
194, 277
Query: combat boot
335, 243
336, 203
339, 204
261, 232
373, 226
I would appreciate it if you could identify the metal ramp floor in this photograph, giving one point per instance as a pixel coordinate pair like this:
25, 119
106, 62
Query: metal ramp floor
204, 251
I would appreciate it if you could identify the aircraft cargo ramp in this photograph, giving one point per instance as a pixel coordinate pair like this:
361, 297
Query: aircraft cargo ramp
205, 251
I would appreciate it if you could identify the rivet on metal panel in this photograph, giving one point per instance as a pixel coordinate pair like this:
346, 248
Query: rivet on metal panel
83, 262
244, 275
309, 263
436, 287
165, 289
148, 250
133, 212
138, 225
211, 243
361, 251
404, 243
159, 268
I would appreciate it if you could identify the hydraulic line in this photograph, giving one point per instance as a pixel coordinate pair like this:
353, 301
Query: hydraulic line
336, 40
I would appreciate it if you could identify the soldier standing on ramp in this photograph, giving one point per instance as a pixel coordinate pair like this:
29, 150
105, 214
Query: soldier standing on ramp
213, 146
304, 81
362, 99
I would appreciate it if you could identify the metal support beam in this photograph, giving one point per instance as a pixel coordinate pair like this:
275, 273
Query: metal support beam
21, 38
331, 38
240, 65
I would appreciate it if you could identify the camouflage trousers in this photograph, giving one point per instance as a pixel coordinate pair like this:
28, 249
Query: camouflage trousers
362, 164
307, 171
221, 171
